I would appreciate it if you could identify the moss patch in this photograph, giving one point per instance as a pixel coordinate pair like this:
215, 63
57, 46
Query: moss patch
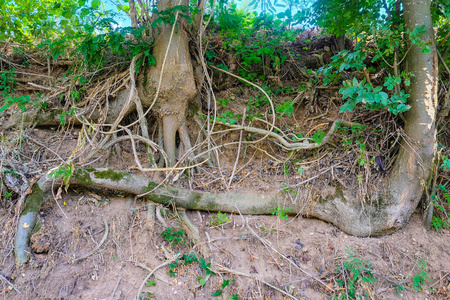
111, 175
212, 205
83, 177
158, 198
33, 201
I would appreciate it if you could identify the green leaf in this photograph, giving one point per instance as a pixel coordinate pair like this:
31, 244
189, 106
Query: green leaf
201, 280
95, 3
318, 136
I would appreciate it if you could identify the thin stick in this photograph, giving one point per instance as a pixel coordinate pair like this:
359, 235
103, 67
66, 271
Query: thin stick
262, 90
224, 269
153, 271
105, 236
309, 179
115, 289
8, 282
42, 145
282, 255
238, 153
159, 277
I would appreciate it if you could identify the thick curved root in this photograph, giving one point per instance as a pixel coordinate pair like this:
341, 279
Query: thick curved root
337, 206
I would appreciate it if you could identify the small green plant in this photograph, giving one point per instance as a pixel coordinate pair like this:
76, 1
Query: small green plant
150, 283
7, 82
174, 237
7, 195
225, 283
318, 136
227, 117
219, 219
286, 108
223, 102
285, 186
354, 270
189, 258
65, 171
148, 296
419, 278
399, 288
441, 201
11, 172
205, 266
263, 230
281, 212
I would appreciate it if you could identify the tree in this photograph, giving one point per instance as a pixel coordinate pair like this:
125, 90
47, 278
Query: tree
167, 82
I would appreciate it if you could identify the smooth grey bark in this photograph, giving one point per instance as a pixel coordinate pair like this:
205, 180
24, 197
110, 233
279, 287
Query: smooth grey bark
403, 191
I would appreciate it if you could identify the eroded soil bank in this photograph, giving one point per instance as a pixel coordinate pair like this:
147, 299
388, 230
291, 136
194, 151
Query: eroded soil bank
309, 246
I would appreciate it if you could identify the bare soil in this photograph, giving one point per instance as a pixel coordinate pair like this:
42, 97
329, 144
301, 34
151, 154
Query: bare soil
115, 272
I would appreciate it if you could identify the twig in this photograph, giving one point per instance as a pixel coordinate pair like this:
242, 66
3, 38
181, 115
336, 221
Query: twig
8, 282
309, 179
42, 145
93, 251
265, 94
304, 145
153, 271
41, 87
267, 244
159, 277
238, 153
387, 279
115, 289
224, 269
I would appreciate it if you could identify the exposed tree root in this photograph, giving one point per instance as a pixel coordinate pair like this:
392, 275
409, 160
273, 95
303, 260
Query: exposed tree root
193, 232
338, 206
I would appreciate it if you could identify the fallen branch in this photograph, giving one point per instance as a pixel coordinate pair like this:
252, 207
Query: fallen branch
115, 289
145, 267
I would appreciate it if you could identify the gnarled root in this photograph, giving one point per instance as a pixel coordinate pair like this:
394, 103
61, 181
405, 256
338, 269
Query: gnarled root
336, 205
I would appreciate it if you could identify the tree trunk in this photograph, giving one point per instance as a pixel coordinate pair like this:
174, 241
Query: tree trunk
404, 188
177, 86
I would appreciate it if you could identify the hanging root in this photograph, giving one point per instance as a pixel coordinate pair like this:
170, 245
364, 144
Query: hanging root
193, 232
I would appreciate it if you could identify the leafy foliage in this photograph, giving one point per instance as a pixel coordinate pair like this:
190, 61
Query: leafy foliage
65, 171
173, 236
281, 212
357, 270
219, 219
97, 36
441, 200
30, 20
420, 278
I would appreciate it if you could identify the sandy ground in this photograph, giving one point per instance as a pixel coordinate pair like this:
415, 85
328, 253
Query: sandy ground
300, 257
